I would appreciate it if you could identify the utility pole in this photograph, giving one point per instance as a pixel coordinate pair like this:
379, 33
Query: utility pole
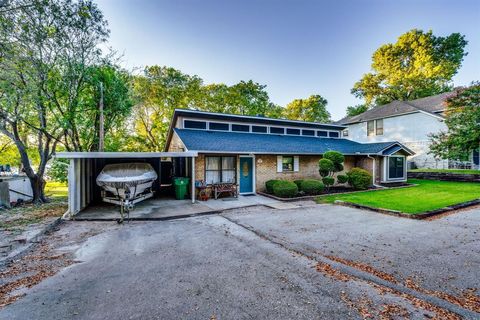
101, 135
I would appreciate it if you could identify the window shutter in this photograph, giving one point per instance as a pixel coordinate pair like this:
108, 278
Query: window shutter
296, 164
279, 164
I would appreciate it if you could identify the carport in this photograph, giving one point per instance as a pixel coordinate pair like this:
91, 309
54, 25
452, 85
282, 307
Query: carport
85, 166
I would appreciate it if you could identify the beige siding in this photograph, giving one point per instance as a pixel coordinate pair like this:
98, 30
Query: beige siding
176, 145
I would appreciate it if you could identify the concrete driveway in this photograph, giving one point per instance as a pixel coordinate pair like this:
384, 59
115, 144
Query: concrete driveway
318, 262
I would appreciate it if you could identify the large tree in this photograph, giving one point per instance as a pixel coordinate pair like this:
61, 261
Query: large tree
160, 90
47, 50
462, 118
418, 65
313, 109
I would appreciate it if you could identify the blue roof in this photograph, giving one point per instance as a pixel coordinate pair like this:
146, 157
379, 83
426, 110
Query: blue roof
236, 142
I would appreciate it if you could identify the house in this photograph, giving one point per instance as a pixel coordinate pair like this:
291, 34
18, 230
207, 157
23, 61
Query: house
409, 122
250, 150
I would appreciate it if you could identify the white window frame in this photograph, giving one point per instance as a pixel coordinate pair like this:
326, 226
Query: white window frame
386, 169
296, 164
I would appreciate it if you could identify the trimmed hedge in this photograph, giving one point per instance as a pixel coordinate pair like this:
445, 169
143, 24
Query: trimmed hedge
359, 179
312, 187
298, 183
269, 185
285, 189
328, 181
341, 178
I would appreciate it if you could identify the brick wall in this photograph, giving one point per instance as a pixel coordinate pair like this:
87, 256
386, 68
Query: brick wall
266, 169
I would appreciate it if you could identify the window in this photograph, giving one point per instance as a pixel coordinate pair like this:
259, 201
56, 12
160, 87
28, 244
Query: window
370, 128
476, 157
308, 132
277, 130
293, 131
287, 163
259, 129
190, 124
322, 133
333, 134
219, 126
396, 167
220, 169
379, 127
345, 133
240, 128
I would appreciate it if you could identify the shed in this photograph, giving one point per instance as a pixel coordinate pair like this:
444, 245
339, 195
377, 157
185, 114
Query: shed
85, 166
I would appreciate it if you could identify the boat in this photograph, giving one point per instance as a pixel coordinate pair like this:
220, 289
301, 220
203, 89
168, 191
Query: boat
126, 184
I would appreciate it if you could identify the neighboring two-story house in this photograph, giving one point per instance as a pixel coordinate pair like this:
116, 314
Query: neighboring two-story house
408, 122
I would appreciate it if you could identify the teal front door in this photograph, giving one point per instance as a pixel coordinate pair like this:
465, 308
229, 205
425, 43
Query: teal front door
246, 175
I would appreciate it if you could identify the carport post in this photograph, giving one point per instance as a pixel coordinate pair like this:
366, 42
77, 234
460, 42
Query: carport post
193, 180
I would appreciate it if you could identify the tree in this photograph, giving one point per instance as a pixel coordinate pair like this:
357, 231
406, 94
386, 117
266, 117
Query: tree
462, 118
329, 165
356, 110
47, 48
313, 109
418, 65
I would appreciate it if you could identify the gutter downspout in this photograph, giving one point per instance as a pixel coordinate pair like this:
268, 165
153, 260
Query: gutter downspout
374, 172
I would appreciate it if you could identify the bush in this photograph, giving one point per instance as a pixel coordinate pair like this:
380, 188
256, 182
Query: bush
58, 170
337, 159
298, 183
328, 182
285, 189
325, 166
269, 185
312, 187
359, 179
342, 178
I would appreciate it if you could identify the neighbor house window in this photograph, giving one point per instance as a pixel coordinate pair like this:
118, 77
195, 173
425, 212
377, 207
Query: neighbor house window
370, 128
379, 127
287, 163
220, 169
345, 133
396, 167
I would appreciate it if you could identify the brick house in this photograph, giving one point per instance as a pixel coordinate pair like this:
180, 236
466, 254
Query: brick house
249, 150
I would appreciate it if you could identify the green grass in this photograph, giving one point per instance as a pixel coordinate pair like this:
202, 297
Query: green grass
454, 171
56, 189
428, 195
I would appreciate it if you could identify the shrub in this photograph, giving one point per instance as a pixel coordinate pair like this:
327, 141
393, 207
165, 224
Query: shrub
328, 182
299, 184
342, 178
325, 166
337, 159
312, 186
269, 185
359, 179
58, 171
285, 189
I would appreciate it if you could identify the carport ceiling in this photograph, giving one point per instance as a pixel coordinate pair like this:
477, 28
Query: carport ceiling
124, 155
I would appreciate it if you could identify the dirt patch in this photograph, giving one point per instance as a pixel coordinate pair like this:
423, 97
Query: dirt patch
19, 217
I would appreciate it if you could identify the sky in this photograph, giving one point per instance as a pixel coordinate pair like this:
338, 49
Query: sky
295, 47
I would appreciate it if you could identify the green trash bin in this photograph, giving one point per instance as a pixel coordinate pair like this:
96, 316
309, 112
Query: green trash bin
180, 187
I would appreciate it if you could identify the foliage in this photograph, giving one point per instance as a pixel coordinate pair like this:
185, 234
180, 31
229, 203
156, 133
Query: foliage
47, 50
298, 183
311, 186
328, 182
58, 170
341, 178
452, 171
313, 109
462, 118
269, 185
285, 189
418, 65
161, 90
359, 178
356, 110
337, 159
326, 167
428, 195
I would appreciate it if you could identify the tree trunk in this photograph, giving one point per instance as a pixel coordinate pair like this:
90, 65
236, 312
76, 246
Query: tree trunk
38, 185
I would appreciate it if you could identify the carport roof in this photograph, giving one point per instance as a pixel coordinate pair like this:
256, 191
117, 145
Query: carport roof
118, 155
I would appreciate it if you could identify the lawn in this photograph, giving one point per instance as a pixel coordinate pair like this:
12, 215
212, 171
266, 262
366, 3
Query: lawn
56, 189
454, 171
427, 195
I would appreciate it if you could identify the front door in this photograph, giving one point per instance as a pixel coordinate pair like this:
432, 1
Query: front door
246, 174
